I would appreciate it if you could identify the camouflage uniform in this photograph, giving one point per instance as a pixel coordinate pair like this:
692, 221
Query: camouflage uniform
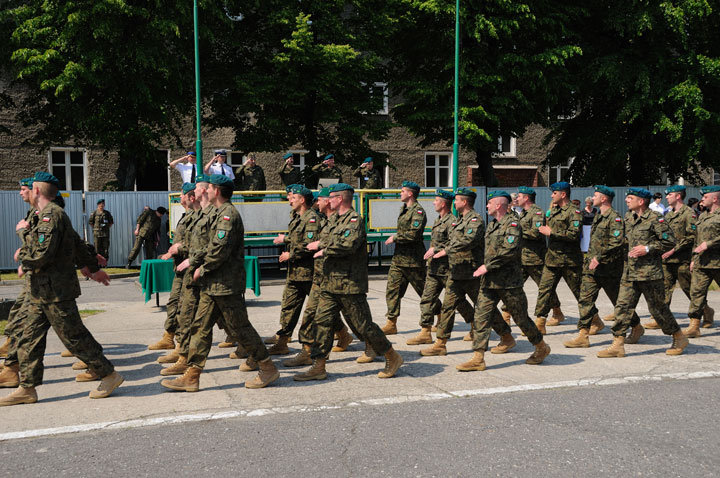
465, 254
51, 253
345, 285
608, 246
408, 265
321, 170
534, 247
437, 275
149, 224
250, 179
173, 303
369, 179
563, 259
706, 265
676, 268
643, 275
222, 278
101, 222
503, 281
290, 174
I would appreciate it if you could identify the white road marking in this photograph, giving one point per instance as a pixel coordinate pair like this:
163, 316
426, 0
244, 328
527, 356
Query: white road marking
201, 417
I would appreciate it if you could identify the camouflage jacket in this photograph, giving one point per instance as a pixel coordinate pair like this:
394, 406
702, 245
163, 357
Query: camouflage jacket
324, 226
324, 171
409, 243
199, 236
564, 241
466, 247
149, 223
369, 179
439, 241
708, 230
648, 229
303, 230
682, 224
503, 254
181, 236
607, 245
32, 219
223, 269
249, 179
101, 222
345, 249
289, 174
533, 244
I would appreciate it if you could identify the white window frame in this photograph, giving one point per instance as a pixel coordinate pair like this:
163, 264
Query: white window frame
67, 151
558, 169
229, 155
436, 168
301, 152
513, 148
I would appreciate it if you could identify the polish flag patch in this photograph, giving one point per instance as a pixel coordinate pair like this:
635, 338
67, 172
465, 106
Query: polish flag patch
513, 224
311, 220
539, 213
353, 220
661, 220
227, 218
577, 211
46, 219
419, 211
474, 219
617, 219
454, 224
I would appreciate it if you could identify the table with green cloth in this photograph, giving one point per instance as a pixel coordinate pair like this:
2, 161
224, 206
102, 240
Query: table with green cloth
156, 275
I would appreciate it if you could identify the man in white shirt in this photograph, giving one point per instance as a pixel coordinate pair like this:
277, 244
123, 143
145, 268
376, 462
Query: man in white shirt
186, 167
656, 205
218, 165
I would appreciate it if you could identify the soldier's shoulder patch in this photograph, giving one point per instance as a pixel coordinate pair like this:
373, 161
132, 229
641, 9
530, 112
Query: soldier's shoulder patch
454, 224
474, 219
694, 216
221, 234
538, 224
693, 227
469, 231
616, 233
346, 233
660, 219
310, 235
41, 238
420, 211
311, 221
577, 211
539, 213
511, 239
46, 219
576, 223
513, 224
416, 223
226, 218
353, 219
664, 235
547, 214
617, 219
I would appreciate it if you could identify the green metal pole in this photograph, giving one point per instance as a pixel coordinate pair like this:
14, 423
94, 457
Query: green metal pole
198, 114
457, 95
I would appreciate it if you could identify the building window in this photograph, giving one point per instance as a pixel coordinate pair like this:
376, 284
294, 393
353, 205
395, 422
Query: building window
379, 95
298, 159
560, 172
506, 147
69, 166
438, 170
235, 159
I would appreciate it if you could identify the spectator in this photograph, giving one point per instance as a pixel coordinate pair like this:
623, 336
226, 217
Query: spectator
656, 205
218, 165
186, 167
588, 212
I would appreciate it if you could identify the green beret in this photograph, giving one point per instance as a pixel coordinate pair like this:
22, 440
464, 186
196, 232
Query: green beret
287, 155
676, 188
289, 187
710, 189
27, 182
220, 180
324, 193
526, 190
315, 196
561, 186
100, 200
368, 160
334, 188
466, 192
43, 177
446, 195
187, 187
297, 189
411, 185
202, 178
498, 194
605, 190
639, 192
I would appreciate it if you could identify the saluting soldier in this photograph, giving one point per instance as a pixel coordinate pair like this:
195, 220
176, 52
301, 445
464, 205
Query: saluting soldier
250, 177
705, 265
408, 265
101, 221
148, 224
648, 237
564, 259
326, 169
501, 279
370, 177
289, 174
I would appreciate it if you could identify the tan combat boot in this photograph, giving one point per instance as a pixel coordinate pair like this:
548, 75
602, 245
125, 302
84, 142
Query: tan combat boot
556, 318
581, 341
239, 353
679, 343
507, 316
542, 350
178, 368
469, 336
108, 384
596, 325
302, 358
316, 372
4, 348
228, 343
170, 357
66, 353
475, 364
438, 348
507, 342
249, 365
390, 327
393, 361
635, 333
189, 382
344, 340
369, 354
423, 337
19, 396
540, 324
167, 342
87, 376
708, 317
651, 324
693, 331
10, 376
268, 374
609, 317
271, 340
280, 348
616, 349
79, 365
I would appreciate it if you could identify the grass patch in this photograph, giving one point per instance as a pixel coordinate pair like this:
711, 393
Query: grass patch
109, 270
84, 313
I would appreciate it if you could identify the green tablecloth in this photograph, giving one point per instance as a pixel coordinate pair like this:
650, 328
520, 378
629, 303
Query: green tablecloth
157, 275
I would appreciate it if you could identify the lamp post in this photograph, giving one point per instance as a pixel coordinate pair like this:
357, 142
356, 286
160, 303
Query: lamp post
457, 95
198, 113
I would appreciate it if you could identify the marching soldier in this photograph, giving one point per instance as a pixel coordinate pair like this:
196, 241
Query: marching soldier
101, 221
289, 174
148, 224
648, 237
370, 177
501, 279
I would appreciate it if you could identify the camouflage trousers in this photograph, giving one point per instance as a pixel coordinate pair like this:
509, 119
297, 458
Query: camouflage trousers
187, 313
455, 291
676, 273
231, 309
15, 323
589, 291
487, 316
102, 246
307, 332
64, 318
173, 304
535, 273
398, 279
548, 283
701, 280
147, 243
628, 298
430, 305
356, 311
292, 302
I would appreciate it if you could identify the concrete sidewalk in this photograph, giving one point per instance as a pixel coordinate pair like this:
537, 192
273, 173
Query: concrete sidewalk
128, 325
